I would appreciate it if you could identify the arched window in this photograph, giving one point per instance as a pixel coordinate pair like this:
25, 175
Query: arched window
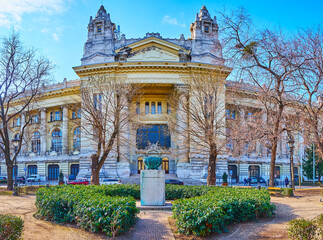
77, 139
57, 140
35, 142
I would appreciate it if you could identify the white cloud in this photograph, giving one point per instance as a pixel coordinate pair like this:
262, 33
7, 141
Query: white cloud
172, 21
55, 37
12, 11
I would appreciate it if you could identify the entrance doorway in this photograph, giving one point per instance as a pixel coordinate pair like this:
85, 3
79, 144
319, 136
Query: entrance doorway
53, 171
254, 171
75, 169
165, 165
140, 164
233, 171
32, 169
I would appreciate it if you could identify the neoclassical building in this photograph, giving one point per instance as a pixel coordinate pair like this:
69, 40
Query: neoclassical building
160, 64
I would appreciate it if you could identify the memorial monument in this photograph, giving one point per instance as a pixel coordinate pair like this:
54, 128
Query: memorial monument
152, 181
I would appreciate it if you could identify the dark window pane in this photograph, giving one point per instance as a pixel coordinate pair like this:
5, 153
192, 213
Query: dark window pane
159, 108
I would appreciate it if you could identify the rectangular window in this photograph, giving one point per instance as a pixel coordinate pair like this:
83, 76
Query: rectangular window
147, 108
227, 113
98, 101
153, 108
233, 116
159, 108
138, 107
206, 28
57, 116
98, 30
36, 118
51, 116
79, 113
73, 115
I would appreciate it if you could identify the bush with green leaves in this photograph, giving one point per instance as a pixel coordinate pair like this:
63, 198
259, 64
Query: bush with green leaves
288, 192
89, 206
219, 207
303, 229
11, 227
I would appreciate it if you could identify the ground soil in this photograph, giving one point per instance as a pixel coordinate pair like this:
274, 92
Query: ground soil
154, 224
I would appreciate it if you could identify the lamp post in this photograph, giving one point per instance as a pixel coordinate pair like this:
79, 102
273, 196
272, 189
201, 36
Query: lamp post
290, 143
15, 143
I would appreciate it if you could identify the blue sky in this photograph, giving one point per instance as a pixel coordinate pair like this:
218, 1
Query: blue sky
58, 28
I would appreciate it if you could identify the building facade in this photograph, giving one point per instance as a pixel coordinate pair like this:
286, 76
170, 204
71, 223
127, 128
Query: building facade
160, 65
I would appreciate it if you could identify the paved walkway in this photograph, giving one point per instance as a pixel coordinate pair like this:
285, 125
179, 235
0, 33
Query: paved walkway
151, 225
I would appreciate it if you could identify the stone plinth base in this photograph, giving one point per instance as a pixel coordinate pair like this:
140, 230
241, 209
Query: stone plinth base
152, 187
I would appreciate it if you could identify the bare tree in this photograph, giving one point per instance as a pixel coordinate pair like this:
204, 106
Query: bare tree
308, 47
22, 74
199, 118
105, 115
261, 58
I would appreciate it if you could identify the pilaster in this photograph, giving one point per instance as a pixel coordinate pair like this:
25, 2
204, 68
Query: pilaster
23, 149
43, 131
182, 123
65, 130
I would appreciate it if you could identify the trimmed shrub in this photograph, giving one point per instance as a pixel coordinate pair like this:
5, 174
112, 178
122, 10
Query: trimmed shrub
110, 215
28, 189
11, 227
89, 206
288, 192
173, 192
220, 207
303, 229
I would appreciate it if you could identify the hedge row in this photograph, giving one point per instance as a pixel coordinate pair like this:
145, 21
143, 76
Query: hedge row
11, 227
220, 207
86, 206
172, 192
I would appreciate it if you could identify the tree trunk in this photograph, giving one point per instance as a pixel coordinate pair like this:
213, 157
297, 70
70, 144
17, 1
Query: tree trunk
211, 176
292, 171
273, 163
95, 170
9, 176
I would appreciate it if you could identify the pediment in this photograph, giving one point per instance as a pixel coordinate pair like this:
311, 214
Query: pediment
152, 53
152, 49
96, 57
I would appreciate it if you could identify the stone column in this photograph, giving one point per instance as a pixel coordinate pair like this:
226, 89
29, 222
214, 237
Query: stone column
43, 131
124, 138
65, 131
183, 138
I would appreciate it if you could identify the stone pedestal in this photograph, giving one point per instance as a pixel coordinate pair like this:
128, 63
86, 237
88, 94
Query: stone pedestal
152, 187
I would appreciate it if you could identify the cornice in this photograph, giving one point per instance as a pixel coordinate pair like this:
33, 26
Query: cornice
139, 67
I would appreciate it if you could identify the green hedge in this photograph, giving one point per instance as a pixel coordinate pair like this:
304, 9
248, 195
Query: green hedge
220, 207
303, 229
288, 192
28, 189
88, 206
11, 227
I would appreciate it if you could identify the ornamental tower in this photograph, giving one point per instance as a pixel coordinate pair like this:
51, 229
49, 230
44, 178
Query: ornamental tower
205, 41
99, 46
